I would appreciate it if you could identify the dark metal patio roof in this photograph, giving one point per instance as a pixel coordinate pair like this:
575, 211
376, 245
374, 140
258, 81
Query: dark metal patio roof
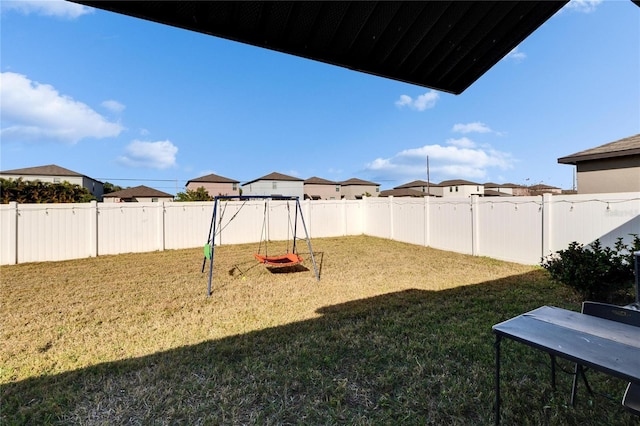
444, 45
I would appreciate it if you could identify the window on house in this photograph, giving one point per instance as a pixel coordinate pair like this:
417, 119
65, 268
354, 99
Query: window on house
56, 180
477, 188
337, 188
451, 189
377, 189
154, 200
235, 187
456, 189
274, 185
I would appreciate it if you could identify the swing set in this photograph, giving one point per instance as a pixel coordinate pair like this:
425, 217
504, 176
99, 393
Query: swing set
289, 259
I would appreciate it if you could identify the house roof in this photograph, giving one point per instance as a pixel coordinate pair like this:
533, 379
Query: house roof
444, 45
619, 148
319, 181
417, 183
492, 193
356, 181
458, 182
213, 179
137, 191
501, 185
48, 170
542, 186
275, 176
402, 192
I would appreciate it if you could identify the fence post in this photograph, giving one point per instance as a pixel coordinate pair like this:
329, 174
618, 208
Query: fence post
161, 229
546, 224
12, 255
391, 218
475, 226
427, 230
93, 229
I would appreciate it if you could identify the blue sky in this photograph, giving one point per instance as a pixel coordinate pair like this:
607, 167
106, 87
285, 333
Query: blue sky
133, 102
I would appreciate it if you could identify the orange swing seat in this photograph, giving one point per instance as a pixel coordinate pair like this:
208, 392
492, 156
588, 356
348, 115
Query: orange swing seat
288, 259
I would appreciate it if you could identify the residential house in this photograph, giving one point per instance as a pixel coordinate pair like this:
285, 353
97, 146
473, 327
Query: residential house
215, 185
504, 189
275, 184
140, 194
423, 186
612, 167
402, 192
355, 188
541, 188
316, 188
461, 188
56, 174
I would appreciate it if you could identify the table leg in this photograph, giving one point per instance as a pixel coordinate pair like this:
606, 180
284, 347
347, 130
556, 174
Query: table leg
553, 372
497, 347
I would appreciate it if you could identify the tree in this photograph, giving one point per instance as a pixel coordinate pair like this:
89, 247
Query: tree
108, 187
42, 192
200, 194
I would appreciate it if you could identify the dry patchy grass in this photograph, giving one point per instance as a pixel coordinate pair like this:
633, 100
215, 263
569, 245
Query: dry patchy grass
391, 334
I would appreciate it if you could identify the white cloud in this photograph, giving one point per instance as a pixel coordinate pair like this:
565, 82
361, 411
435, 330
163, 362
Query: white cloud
422, 102
475, 127
462, 142
460, 159
113, 106
32, 111
56, 8
151, 155
583, 6
516, 55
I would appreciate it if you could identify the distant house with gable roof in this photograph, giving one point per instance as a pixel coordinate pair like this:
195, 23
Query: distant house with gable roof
612, 167
53, 173
215, 185
461, 188
275, 184
316, 188
139, 194
423, 186
355, 188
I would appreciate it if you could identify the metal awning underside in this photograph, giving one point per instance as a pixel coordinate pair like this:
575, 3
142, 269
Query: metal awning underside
444, 45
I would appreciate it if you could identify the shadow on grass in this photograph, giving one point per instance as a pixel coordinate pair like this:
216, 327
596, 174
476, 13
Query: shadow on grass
411, 357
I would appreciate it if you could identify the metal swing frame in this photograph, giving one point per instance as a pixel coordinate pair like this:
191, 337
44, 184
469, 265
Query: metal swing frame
215, 228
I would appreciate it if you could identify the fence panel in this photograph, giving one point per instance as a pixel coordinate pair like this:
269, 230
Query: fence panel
510, 228
409, 221
516, 229
377, 215
50, 232
326, 218
129, 228
450, 224
186, 224
8, 233
585, 218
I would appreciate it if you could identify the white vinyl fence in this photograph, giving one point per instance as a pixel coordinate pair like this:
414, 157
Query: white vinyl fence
518, 229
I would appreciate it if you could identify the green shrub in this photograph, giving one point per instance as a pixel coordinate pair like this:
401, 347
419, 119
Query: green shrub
597, 273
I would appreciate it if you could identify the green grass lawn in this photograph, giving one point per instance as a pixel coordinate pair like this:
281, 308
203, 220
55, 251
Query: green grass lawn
392, 334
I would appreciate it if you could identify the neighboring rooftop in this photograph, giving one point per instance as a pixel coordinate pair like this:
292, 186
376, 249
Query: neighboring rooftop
457, 182
137, 191
48, 170
356, 181
402, 192
213, 179
619, 148
417, 183
319, 181
275, 176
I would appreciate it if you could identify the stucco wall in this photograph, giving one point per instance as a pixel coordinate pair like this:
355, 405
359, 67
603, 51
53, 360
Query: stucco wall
609, 175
